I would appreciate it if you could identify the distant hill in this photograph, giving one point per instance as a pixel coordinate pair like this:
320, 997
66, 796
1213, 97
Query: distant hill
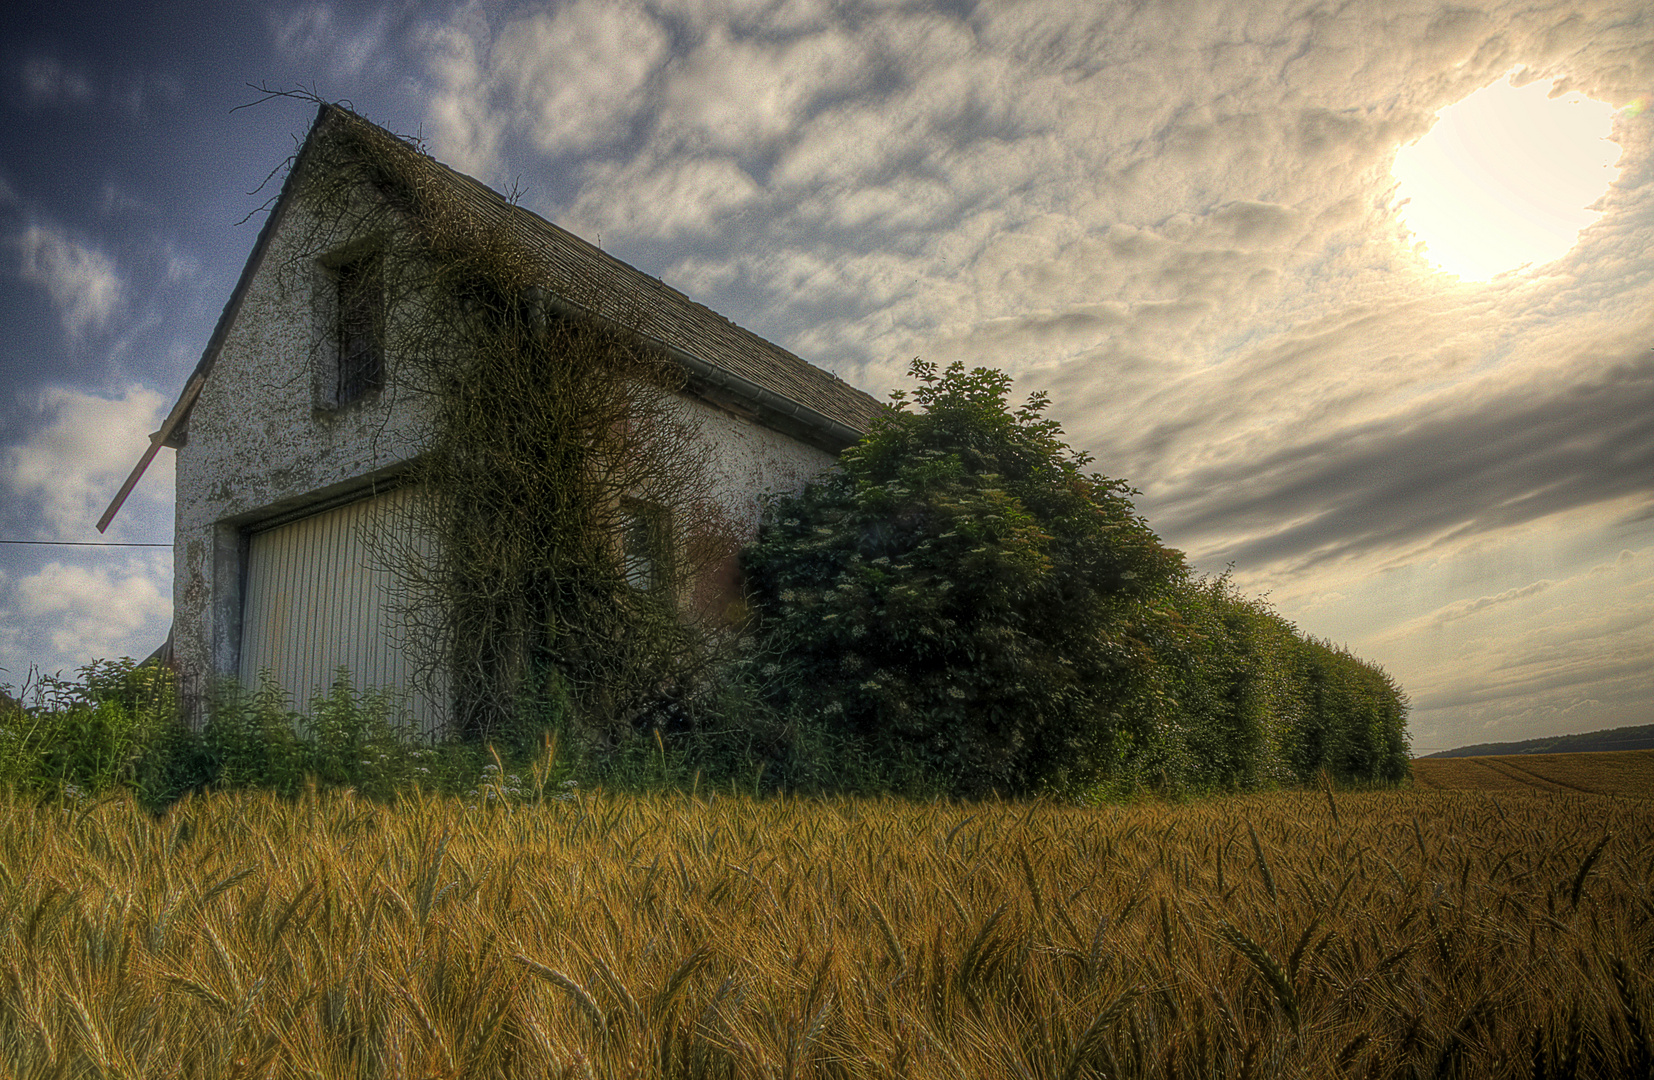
1625, 738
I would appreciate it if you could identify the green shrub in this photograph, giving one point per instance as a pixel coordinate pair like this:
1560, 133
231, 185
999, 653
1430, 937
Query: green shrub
175, 762
117, 726
84, 736
963, 608
1222, 668
1355, 718
348, 738
962, 595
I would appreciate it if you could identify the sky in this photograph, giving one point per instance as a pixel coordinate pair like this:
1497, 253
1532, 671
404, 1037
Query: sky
1182, 219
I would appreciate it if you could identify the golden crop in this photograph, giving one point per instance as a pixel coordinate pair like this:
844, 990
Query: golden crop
1295, 934
1611, 772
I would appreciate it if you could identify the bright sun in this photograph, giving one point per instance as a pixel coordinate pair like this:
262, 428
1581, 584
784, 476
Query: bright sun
1504, 177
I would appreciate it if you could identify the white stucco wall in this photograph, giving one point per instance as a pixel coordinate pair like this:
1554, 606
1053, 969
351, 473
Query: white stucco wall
750, 460
263, 443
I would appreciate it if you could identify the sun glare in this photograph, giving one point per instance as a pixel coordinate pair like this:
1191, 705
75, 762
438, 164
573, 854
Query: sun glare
1504, 177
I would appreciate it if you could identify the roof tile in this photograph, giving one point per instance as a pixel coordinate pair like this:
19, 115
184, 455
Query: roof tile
648, 305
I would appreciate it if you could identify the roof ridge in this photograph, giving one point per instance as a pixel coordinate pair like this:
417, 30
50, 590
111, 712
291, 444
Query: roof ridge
833, 397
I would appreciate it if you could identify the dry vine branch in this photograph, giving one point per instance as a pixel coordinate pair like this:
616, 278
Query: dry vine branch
548, 421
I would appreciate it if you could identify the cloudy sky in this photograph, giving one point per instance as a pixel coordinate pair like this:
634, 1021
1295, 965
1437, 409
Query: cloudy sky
1183, 219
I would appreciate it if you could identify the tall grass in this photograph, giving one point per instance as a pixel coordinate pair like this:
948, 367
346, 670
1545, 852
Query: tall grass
85, 735
116, 728
1315, 933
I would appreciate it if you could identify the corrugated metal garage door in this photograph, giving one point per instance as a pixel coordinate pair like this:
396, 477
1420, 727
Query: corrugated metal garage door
316, 597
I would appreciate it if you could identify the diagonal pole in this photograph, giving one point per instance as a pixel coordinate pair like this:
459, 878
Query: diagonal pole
156, 441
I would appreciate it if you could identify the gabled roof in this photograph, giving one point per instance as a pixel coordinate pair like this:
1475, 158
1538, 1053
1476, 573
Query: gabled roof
724, 360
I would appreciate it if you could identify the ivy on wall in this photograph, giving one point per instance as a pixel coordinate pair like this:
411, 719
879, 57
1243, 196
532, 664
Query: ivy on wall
548, 425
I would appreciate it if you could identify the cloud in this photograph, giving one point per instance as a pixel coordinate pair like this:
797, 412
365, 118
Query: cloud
579, 74
1624, 559
143, 93
1463, 609
316, 32
82, 282
82, 447
1570, 651
753, 16
466, 129
734, 96
49, 81
67, 614
1606, 662
182, 267
667, 201
563, 81
1449, 473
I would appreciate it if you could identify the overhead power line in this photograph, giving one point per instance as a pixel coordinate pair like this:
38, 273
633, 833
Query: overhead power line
80, 543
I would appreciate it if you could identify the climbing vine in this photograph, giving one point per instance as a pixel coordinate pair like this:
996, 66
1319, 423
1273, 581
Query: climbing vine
562, 524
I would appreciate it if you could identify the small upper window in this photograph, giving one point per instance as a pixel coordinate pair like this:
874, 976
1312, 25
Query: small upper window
361, 330
645, 545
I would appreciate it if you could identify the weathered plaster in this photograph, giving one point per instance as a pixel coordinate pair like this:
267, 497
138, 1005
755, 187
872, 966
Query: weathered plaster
749, 461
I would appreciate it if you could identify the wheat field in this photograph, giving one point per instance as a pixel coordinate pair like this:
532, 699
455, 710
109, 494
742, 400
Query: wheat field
1611, 772
1401, 933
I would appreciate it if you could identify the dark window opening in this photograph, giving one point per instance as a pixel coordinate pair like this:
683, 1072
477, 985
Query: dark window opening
645, 545
361, 328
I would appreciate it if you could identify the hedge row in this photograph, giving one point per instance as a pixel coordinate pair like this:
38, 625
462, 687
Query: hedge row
970, 608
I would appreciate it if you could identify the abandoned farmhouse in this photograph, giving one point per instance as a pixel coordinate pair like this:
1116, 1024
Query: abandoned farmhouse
300, 434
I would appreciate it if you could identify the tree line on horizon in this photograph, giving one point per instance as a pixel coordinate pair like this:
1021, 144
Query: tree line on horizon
1635, 737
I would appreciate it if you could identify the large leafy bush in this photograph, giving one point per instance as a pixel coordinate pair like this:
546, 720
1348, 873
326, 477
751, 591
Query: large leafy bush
962, 594
963, 607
